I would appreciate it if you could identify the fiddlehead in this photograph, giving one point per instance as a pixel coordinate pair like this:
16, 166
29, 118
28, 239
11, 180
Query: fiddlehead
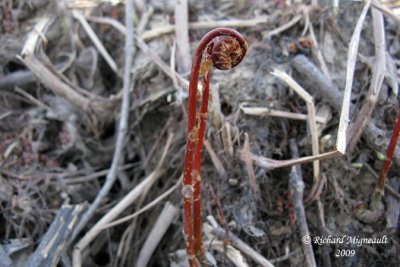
224, 49
227, 53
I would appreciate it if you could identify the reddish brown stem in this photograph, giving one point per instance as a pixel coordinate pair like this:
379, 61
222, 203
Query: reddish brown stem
222, 48
202, 117
386, 164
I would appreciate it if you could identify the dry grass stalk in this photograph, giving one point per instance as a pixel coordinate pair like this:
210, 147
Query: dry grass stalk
341, 143
215, 160
246, 157
145, 48
164, 67
310, 118
96, 41
386, 10
35, 36
144, 20
260, 111
274, 164
316, 48
154, 33
51, 81
32, 98
182, 35
146, 207
122, 205
217, 117
172, 65
159, 229
320, 85
284, 27
42, 73
243, 247
231, 253
228, 139
72, 179
122, 130
378, 73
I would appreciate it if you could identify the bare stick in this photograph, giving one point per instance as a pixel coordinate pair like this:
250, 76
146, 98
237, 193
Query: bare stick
54, 242
123, 122
160, 227
341, 142
378, 73
296, 186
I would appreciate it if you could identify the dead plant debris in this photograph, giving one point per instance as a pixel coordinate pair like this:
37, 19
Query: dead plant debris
61, 78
